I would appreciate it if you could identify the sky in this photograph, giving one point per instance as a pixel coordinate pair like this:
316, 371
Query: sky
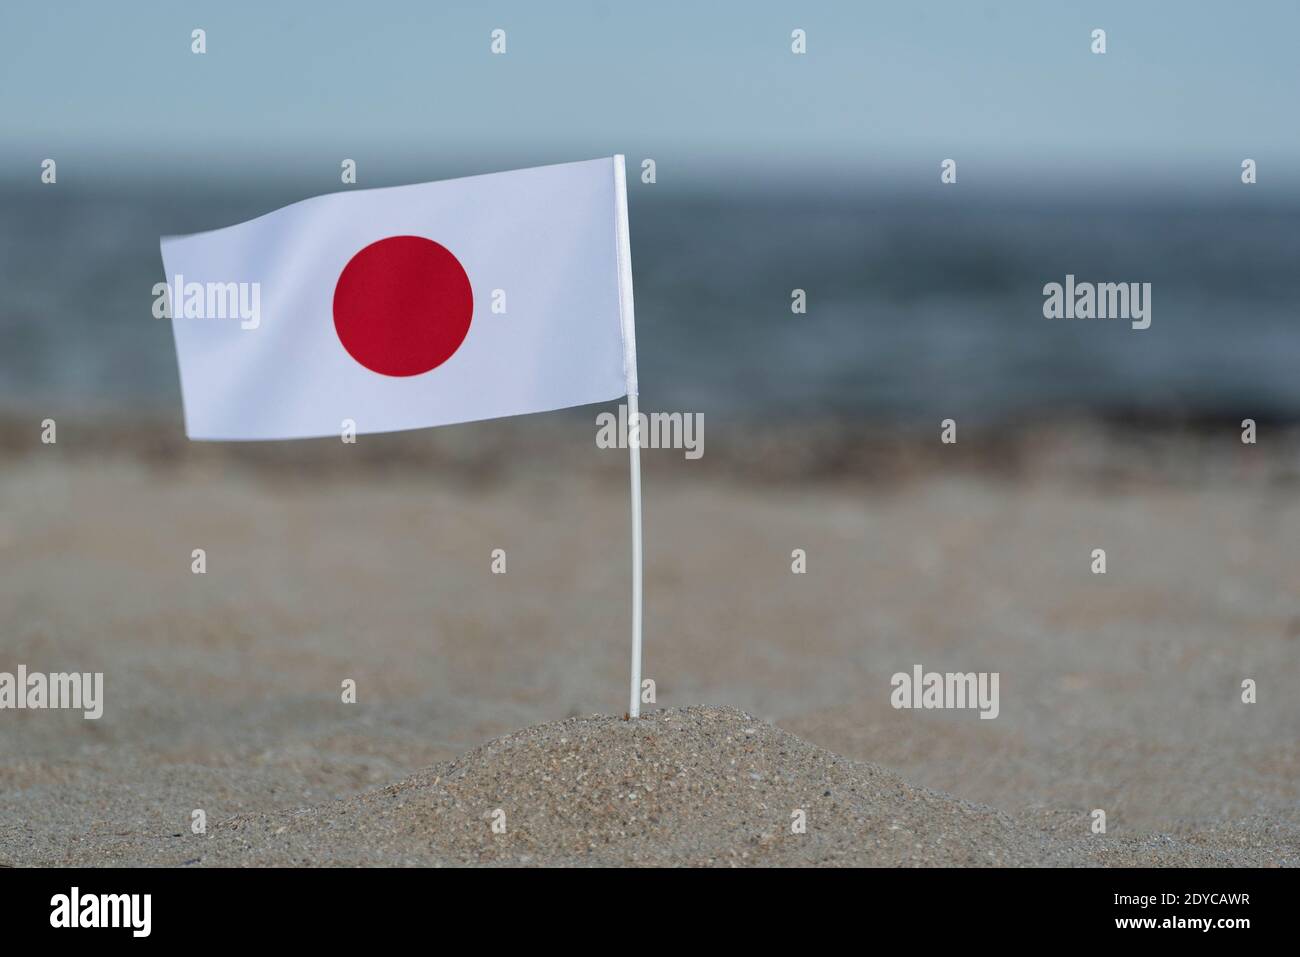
1011, 90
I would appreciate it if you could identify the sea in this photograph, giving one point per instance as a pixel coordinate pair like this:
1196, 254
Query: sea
918, 307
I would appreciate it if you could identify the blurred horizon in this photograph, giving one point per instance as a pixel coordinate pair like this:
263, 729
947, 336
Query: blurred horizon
300, 179
1010, 90
774, 171
917, 309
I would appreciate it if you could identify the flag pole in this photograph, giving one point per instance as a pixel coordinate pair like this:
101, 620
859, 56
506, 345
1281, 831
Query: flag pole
627, 319
634, 454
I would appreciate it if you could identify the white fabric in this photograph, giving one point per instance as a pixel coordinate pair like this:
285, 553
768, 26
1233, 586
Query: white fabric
548, 237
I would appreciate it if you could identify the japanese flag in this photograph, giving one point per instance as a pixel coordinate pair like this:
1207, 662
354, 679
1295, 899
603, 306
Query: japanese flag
408, 307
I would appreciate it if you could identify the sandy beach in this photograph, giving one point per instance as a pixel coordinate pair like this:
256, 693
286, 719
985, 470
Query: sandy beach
1119, 692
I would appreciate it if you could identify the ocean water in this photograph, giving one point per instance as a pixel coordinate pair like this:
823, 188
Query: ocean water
917, 308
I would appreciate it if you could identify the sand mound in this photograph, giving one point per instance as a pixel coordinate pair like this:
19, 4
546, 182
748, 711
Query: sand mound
694, 786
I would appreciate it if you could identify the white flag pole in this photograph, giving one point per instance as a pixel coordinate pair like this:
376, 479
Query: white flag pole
634, 452
627, 316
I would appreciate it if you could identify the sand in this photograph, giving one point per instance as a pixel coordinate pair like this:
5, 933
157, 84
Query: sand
1119, 692
681, 787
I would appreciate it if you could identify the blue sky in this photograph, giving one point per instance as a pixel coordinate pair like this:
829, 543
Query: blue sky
1010, 89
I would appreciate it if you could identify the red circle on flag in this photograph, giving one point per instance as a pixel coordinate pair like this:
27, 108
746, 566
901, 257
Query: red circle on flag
402, 305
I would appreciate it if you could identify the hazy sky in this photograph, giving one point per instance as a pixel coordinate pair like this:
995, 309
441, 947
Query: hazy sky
1010, 89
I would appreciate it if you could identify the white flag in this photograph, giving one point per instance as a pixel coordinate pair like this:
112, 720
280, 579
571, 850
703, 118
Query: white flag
407, 307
